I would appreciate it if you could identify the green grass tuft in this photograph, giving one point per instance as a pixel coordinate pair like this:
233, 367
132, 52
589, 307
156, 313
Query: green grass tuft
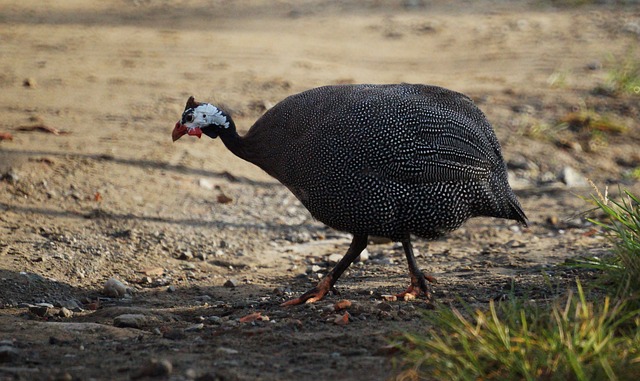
621, 224
570, 340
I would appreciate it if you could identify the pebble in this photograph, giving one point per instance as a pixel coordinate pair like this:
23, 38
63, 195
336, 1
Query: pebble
341, 319
215, 319
205, 183
515, 244
632, 27
41, 311
314, 269
231, 283
171, 289
572, 178
129, 321
65, 312
334, 258
154, 368
11, 176
364, 256
115, 288
30, 83
226, 351
186, 255
195, 327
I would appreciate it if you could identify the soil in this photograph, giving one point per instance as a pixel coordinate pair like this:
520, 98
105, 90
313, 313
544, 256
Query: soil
203, 247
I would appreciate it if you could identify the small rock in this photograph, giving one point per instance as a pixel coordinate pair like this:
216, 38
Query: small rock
11, 176
41, 311
30, 83
364, 256
632, 27
8, 353
171, 288
70, 304
341, 319
186, 255
231, 283
515, 244
130, 321
115, 288
223, 198
65, 312
195, 327
226, 351
215, 320
314, 269
383, 306
154, 368
335, 258
206, 184
572, 178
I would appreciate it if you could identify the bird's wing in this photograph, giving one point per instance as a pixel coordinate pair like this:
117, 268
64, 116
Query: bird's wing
440, 149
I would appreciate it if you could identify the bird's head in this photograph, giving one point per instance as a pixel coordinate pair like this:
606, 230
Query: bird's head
200, 118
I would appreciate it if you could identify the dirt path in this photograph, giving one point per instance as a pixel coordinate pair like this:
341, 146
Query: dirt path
92, 187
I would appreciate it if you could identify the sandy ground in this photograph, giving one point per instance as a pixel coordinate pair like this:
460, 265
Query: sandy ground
92, 187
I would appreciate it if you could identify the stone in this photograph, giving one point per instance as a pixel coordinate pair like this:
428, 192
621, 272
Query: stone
40, 311
205, 183
572, 178
65, 312
195, 327
231, 283
130, 321
364, 256
334, 258
115, 288
70, 304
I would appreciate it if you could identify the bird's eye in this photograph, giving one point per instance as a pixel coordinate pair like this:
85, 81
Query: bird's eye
189, 118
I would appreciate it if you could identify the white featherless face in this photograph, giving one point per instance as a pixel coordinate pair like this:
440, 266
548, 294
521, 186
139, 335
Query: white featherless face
204, 115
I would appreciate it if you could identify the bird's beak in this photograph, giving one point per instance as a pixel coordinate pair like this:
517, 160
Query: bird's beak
180, 129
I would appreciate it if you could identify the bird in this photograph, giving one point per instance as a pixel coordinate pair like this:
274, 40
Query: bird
374, 160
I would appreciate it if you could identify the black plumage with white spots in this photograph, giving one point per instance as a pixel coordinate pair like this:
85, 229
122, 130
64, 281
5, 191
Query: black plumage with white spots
383, 160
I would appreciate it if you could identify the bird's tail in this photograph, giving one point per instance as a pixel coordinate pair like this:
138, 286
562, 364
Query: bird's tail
515, 210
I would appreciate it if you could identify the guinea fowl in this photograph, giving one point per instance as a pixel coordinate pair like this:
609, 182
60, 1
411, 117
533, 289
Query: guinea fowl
381, 160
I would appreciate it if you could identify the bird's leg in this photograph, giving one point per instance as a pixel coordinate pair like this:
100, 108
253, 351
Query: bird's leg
358, 244
418, 279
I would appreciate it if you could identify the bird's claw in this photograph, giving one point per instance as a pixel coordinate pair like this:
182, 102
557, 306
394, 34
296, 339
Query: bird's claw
417, 287
313, 295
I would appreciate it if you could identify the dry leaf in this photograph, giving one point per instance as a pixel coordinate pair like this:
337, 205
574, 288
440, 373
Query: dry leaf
255, 316
224, 199
342, 305
43, 128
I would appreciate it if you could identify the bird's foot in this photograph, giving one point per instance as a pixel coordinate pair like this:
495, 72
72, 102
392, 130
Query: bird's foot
417, 287
317, 293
